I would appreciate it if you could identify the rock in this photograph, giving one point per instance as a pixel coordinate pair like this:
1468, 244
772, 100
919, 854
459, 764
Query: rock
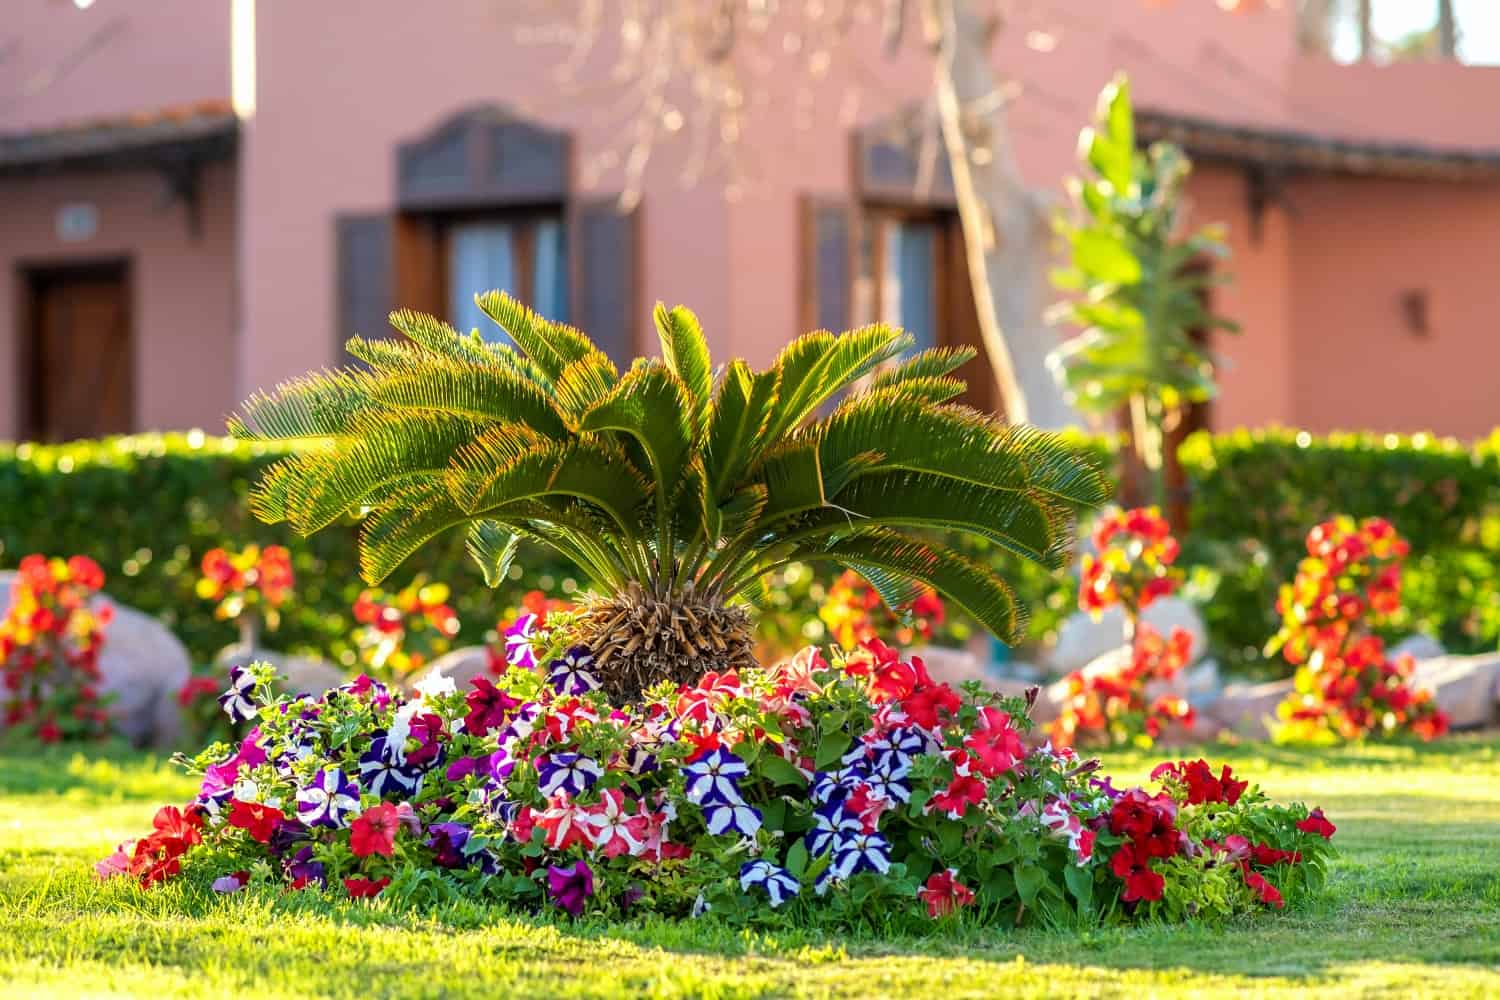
1081, 640
1245, 708
1419, 646
1204, 682
951, 666
303, 675
143, 665
462, 665
1466, 687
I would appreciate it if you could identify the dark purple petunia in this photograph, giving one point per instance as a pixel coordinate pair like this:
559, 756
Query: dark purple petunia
302, 866
570, 887
287, 835
448, 840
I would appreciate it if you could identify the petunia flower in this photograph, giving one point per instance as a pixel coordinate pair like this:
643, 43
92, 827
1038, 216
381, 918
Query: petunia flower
117, 863
1264, 890
1317, 823
943, 893
570, 673
329, 800
778, 883
518, 639
566, 772
363, 888
831, 821
570, 888
255, 818
447, 841
715, 778
963, 791
994, 742
383, 774
233, 882
563, 822
236, 701
860, 852
374, 831
724, 817
304, 871
435, 686
613, 830
488, 707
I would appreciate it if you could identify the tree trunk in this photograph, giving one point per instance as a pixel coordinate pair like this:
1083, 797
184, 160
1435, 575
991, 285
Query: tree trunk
1447, 30
1366, 16
1005, 224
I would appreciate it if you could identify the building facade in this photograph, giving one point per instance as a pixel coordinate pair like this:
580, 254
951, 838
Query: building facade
200, 198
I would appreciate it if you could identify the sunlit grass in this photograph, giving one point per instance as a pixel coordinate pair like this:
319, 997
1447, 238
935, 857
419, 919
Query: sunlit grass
1412, 909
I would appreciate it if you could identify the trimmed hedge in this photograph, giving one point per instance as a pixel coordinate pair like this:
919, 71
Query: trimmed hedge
147, 507
1255, 494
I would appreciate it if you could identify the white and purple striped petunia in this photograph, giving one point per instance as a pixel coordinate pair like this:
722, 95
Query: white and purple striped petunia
723, 817
381, 773
236, 701
714, 777
831, 822
570, 673
566, 772
780, 885
860, 852
518, 651
331, 800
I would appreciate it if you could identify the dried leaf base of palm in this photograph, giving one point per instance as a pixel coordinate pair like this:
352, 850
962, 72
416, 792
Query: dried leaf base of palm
640, 640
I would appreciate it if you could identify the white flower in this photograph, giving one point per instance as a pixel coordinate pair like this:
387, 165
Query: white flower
434, 686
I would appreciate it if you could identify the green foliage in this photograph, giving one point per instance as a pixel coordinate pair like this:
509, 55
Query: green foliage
147, 508
1137, 290
1255, 494
651, 479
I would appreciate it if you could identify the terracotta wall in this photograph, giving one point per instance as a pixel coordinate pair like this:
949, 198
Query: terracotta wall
182, 287
1357, 248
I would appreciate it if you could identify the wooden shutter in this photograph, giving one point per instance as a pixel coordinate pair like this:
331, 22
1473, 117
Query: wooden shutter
606, 273
826, 270
366, 277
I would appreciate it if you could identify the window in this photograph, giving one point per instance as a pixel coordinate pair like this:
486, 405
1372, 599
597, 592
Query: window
523, 255
908, 266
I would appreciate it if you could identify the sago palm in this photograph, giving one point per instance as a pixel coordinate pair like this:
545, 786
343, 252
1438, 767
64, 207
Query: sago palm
675, 488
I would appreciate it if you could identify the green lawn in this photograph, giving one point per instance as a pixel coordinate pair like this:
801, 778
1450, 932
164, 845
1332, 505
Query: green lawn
1413, 909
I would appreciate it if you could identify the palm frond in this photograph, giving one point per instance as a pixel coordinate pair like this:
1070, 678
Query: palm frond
686, 354
551, 346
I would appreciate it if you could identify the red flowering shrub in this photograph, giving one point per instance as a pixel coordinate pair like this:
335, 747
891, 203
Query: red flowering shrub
855, 614
252, 580
398, 633
1346, 685
50, 642
1133, 567
1134, 564
1115, 706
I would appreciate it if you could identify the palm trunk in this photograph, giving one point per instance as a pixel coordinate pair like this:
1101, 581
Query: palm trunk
1005, 224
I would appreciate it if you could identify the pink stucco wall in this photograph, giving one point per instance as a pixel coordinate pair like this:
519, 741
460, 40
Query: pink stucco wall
182, 287
64, 65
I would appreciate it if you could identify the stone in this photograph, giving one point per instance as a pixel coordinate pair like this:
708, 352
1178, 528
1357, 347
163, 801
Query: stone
950, 666
1245, 709
1081, 640
1419, 646
1466, 687
302, 675
462, 665
1204, 682
142, 665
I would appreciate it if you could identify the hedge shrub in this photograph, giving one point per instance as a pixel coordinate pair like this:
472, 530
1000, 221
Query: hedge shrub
147, 507
1254, 495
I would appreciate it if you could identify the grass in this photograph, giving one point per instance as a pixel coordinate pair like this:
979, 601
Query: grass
1412, 909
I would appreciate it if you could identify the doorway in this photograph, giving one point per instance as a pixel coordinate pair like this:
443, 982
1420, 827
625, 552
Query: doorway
78, 363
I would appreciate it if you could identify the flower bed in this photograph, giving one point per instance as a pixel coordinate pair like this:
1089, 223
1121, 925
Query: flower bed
845, 790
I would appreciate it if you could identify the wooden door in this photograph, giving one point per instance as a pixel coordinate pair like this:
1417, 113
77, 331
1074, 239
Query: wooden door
81, 365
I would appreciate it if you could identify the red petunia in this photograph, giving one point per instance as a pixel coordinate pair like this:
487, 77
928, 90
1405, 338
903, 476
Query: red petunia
364, 888
256, 818
1317, 823
1133, 867
488, 707
943, 893
962, 792
994, 742
374, 831
1267, 892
